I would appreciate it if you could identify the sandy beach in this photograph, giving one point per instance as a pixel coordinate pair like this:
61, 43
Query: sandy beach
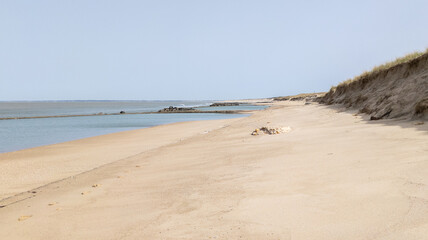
335, 175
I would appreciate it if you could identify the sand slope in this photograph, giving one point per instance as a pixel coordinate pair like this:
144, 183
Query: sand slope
397, 92
333, 176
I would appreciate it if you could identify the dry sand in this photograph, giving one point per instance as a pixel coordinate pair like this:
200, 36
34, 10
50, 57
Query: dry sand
333, 176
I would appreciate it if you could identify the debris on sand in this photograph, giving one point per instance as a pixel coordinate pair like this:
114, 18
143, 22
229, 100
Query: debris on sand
22, 218
270, 131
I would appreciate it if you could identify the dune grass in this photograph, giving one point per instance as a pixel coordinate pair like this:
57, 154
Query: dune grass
385, 66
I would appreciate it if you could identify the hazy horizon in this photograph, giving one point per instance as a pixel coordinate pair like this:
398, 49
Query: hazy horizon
197, 50
112, 100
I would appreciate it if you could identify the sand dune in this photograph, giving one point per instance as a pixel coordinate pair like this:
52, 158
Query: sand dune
333, 176
400, 91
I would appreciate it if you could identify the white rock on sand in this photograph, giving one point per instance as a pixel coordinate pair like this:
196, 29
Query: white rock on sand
270, 130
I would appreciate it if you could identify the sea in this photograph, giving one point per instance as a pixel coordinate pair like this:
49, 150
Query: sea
18, 134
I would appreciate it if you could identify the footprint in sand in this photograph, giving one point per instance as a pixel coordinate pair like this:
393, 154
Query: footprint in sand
23, 218
52, 203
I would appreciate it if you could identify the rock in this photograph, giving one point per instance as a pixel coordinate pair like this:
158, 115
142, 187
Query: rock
223, 104
176, 109
256, 132
270, 131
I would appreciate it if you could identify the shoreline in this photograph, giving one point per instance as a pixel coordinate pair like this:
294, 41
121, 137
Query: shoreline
34, 150
105, 141
63, 133
192, 180
254, 102
109, 114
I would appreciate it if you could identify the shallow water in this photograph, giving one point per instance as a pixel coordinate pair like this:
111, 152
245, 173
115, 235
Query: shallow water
240, 107
52, 108
19, 134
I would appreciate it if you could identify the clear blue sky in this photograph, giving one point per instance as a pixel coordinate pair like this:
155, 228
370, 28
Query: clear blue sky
87, 49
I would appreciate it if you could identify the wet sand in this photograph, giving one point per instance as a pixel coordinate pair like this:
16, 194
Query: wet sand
333, 176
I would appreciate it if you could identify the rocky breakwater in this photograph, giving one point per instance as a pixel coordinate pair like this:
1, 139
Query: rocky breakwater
173, 109
224, 104
177, 110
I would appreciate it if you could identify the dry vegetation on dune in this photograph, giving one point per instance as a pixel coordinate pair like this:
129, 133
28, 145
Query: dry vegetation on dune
299, 97
386, 66
392, 90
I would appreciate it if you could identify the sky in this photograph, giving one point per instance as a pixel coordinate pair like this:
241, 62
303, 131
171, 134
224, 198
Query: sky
189, 50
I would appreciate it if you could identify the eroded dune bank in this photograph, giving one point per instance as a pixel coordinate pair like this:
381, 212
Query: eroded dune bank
399, 91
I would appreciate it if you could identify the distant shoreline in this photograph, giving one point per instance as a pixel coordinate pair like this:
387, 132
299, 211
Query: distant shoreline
107, 114
162, 111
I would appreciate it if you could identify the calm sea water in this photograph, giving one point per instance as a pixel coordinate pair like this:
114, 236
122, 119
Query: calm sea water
26, 133
50, 108
240, 107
